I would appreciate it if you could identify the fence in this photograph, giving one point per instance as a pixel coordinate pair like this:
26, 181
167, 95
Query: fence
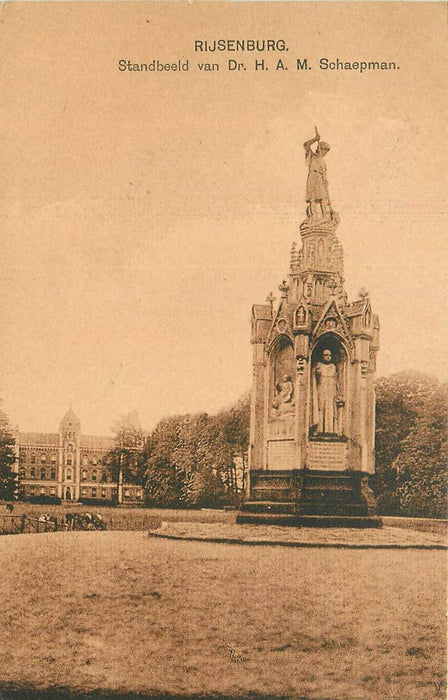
69, 518
18, 524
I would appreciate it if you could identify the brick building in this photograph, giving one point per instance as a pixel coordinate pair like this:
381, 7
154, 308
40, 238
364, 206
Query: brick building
69, 465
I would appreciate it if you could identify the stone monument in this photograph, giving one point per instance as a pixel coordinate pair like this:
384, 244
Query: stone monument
311, 455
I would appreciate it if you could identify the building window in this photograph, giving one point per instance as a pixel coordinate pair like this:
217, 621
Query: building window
69, 475
42, 490
32, 472
53, 459
93, 493
94, 475
84, 475
43, 458
22, 456
104, 476
32, 489
103, 493
22, 473
69, 460
83, 490
94, 460
53, 474
126, 493
52, 491
43, 473
33, 458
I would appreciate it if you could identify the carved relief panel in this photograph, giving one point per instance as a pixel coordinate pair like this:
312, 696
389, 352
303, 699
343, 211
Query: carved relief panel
281, 398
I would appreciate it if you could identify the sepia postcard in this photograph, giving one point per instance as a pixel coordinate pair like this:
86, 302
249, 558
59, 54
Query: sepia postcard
223, 349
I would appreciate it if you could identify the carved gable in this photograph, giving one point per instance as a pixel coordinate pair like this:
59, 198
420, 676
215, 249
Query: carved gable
333, 321
280, 325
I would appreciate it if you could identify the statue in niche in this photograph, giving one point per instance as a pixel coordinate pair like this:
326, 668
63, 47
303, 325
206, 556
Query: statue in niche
317, 194
326, 395
284, 396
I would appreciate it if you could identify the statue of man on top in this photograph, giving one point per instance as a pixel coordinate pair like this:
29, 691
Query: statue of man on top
317, 194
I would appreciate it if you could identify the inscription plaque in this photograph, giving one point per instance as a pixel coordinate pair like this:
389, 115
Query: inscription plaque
281, 454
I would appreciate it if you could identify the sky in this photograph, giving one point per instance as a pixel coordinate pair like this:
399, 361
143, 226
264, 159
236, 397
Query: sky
144, 213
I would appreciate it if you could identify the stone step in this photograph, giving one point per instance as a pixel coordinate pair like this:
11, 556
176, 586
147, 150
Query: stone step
333, 488
329, 495
334, 474
308, 520
269, 507
271, 472
282, 481
271, 494
266, 518
327, 480
342, 508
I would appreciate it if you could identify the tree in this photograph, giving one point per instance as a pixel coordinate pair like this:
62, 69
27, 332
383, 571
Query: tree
8, 478
181, 462
422, 464
198, 460
124, 461
163, 480
234, 428
411, 426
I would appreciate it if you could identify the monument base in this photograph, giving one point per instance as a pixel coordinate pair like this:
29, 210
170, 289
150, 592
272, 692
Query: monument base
308, 520
310, 498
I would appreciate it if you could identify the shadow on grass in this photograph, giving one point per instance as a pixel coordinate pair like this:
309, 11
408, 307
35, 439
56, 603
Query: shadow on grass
16, 691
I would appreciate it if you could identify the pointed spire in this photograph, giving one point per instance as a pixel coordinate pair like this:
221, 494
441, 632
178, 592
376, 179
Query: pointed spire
363, 293
270, 299
70, 419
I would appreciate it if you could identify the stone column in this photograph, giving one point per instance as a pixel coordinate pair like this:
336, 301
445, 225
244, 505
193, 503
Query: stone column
360, 402
257, 437
370, 420
302, 398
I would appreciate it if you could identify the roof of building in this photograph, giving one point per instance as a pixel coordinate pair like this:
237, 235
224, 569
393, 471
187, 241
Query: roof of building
70, 417
262, 312
39, 439
97, 442
357, 308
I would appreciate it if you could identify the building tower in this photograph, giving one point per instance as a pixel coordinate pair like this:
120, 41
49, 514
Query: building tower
312, 426
69, 455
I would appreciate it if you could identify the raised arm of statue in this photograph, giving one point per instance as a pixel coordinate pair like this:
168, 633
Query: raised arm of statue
307, 145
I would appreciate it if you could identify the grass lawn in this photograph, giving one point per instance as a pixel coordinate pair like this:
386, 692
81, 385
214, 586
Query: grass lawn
122, 611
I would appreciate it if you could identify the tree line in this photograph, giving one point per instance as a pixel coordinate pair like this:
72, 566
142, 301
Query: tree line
201, 460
